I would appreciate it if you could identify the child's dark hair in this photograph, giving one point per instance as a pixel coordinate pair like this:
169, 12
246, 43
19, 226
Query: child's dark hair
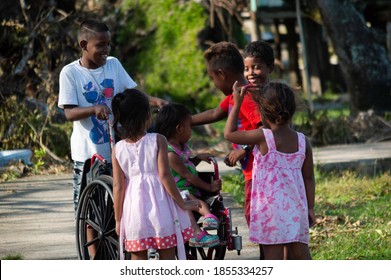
90, 27
260, 49
169, 117
277, 102
131, 110
226, 56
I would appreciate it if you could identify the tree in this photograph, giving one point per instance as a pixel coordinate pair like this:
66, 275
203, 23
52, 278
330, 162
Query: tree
362, 55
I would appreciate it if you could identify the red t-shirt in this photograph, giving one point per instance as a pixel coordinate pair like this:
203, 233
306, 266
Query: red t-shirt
249, 119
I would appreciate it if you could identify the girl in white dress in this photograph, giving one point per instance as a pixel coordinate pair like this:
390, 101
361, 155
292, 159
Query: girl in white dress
149, 210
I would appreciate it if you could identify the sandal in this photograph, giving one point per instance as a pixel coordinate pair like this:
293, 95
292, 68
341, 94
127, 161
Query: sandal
210, 222
204, 240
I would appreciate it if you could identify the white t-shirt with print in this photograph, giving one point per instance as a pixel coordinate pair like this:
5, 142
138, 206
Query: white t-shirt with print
88, 87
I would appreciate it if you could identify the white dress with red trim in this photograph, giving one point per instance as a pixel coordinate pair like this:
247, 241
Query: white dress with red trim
150, 217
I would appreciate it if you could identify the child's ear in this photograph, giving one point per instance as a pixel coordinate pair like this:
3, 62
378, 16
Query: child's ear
221, 73
178, 128
83, 45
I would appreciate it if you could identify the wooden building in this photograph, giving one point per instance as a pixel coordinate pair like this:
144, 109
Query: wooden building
291, 24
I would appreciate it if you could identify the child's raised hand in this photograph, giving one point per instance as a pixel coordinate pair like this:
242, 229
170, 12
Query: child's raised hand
239, 91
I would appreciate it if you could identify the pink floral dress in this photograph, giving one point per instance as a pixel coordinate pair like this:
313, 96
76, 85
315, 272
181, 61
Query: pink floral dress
279, 212
150, 217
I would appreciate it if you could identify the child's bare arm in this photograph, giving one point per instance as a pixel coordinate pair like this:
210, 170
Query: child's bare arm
177, 164
231, 133
155, 101
74, 113
209, 116
167, 179
118, 190
309, 181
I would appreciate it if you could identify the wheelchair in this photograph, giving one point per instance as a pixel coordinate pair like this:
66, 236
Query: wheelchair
96, 237
229, 238
95, 223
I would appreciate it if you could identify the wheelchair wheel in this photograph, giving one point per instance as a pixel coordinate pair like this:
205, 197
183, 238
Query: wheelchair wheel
95, 224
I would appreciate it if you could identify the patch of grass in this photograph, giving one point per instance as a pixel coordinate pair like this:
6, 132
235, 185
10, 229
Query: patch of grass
353, 215
13, 257
234, 184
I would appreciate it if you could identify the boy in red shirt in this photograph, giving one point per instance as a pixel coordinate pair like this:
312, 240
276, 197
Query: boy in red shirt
225, 65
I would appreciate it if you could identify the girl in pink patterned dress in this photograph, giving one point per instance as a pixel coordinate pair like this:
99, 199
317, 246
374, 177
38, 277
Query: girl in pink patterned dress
149, 210
283, 190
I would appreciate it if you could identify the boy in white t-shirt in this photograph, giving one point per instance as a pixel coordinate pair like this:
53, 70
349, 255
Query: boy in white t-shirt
87, 86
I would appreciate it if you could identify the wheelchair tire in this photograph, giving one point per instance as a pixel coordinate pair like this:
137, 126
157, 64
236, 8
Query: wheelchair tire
96, 215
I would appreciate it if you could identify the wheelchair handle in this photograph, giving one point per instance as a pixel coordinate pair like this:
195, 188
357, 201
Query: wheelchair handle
216, 167
111, 134
97, 156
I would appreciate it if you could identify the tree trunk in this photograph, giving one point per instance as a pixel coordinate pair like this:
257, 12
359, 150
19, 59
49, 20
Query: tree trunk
295, 77
364, 62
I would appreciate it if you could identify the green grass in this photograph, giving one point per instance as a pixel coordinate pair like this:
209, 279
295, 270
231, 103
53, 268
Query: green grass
234, 185
353, 215
13, 257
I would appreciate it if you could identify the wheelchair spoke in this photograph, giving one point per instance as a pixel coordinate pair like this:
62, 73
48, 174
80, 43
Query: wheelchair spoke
202, 253
101, 199
95, 208
111, 250
109, 216
94, 225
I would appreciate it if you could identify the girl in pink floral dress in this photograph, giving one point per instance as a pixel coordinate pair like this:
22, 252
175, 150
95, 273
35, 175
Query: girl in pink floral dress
149, 210
283, 190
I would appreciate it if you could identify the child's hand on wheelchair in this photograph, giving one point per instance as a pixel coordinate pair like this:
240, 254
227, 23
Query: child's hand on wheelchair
234, 156
215, 186
205, 157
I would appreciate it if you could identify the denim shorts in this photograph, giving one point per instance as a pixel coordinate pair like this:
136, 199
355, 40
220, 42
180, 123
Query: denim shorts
78, 167
77, 177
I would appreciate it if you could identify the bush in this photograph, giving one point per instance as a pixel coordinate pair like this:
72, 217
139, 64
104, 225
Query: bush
22, 127
169, 61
